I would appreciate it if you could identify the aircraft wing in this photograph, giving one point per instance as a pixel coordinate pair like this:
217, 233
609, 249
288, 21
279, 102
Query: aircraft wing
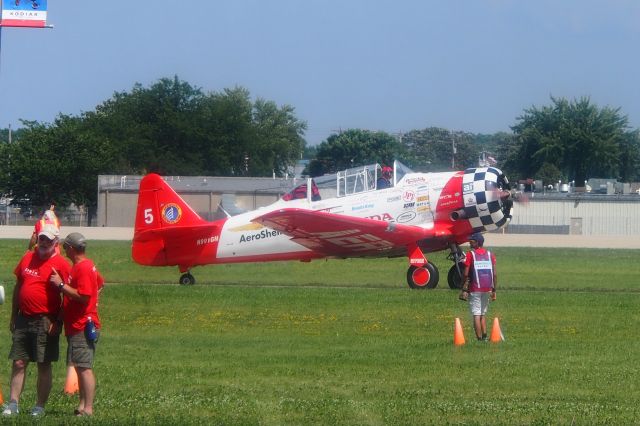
335, 234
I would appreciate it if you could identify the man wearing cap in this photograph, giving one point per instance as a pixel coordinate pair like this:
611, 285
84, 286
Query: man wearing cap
479, 283
80, 293
35, 314
384, 181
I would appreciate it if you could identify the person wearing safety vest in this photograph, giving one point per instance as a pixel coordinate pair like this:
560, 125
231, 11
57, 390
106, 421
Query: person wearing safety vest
48, 218
479, 283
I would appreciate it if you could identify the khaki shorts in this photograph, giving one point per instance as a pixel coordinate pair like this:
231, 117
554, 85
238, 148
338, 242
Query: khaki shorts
80, 352
32, 342
479, 302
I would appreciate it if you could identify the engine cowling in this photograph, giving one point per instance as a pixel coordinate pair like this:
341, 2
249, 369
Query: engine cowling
487, 200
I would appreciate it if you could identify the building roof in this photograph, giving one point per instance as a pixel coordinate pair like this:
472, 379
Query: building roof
131, 183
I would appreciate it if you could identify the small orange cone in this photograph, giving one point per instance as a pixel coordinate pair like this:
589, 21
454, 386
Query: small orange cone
496, 333
1, 398
71, 384
458, 335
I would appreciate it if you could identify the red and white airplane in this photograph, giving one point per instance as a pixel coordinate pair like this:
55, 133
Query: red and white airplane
338, 216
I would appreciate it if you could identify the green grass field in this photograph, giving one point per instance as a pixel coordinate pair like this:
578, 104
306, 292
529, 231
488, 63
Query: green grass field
346, 342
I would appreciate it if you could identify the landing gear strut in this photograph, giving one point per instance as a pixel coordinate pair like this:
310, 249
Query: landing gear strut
187, 279
454, 277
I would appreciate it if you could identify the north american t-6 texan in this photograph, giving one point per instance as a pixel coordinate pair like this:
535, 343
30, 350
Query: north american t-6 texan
343, 215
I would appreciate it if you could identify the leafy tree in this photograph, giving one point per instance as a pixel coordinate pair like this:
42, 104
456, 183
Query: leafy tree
352, 148
174, 128
57, 163
497, 145
629, 160
432, 149
279, 142
151, 128
577, 137
169, 127
15, 135
310, 152
550, 174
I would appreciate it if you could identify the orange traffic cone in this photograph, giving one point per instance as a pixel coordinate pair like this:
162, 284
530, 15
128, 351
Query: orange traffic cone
496, 333
1, 398
71, 384
458, 335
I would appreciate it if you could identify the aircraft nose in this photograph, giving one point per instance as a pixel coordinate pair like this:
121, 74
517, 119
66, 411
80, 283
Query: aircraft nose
487, 199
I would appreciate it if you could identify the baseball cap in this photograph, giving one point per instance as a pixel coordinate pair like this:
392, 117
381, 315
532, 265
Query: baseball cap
50, 231
76, 240
477, 237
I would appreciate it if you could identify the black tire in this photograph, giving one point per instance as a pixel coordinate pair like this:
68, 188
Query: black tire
423, 277
187, 279
454, 278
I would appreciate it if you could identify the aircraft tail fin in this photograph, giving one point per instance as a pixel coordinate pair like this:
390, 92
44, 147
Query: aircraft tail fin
162, 216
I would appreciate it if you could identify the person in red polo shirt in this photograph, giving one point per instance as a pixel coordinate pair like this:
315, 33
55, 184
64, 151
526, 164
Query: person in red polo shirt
80, 313
479, 283
35, 317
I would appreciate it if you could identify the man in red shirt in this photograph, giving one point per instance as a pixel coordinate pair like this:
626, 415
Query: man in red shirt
479, 281
34, 321
81, 321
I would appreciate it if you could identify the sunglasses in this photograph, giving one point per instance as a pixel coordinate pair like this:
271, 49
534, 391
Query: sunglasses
44, 239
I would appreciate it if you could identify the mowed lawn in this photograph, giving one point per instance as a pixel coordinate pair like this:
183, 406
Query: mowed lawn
347, 342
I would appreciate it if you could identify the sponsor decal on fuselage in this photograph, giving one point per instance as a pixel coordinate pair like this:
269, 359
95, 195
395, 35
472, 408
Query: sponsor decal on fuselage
406, 217
408, 196
415, 180
362, 207
265, 233
393, 199
382, 216
448, 203
408, 205
467, 188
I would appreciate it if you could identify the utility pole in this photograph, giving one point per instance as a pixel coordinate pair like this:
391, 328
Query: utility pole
453, 152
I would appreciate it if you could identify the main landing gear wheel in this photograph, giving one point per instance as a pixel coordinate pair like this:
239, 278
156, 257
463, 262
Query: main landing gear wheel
187, 279
421, 277
454, 278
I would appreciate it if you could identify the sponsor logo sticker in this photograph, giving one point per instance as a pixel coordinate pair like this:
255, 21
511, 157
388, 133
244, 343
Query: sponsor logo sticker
408, 196
171, 213
383, 216
362, 207
406, 217
265, 233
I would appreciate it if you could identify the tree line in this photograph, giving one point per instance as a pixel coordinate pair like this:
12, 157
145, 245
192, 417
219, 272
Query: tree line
174, 128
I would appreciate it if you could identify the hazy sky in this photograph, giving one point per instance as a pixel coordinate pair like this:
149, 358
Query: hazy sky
398, 65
